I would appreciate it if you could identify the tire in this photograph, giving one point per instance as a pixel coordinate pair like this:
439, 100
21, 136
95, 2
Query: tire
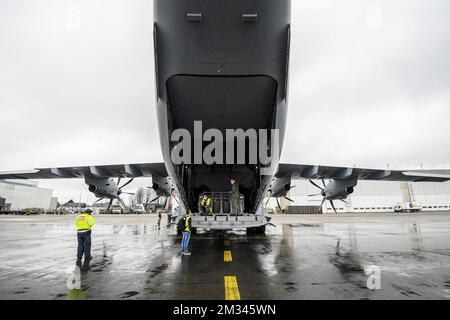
256, 230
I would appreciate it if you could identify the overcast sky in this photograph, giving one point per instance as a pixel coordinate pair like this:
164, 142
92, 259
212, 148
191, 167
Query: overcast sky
369, 85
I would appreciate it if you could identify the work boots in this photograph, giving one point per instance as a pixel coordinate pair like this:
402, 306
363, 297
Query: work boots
86, 263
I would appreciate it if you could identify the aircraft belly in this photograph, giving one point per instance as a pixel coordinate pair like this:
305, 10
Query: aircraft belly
224, 63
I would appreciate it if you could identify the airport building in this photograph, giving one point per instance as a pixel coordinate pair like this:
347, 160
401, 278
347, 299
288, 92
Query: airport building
20, 195
369, 196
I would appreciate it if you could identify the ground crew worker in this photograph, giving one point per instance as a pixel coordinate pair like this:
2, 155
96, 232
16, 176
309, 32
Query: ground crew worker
186, 234
84, 223
206, 204
159, 219
234, 197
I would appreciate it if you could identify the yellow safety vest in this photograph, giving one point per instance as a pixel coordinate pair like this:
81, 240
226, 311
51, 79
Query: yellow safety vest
206, 203
84, 222
186, 224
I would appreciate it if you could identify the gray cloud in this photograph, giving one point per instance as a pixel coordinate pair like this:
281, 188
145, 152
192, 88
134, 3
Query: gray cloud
366, 95
369, 85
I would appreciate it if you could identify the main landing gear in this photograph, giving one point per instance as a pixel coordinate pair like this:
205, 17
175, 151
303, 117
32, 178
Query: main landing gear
256, 230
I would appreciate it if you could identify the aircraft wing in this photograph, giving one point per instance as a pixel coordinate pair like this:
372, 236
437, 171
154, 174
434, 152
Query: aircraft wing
302, 171
103, 171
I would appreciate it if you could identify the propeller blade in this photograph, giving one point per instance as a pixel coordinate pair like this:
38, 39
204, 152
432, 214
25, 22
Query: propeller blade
314, 194
98, 200
118, 181
344, 201
126, 183
127, 192
315, 184
323, 182
155, 199
110, 204
323, 200
278, 203
289, 199
268, 199
122, 204
332, 204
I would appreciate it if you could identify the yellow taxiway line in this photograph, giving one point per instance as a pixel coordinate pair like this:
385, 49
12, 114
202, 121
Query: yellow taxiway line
231, 288
227, 256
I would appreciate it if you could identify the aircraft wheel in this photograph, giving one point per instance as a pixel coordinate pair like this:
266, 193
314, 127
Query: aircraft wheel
256, 230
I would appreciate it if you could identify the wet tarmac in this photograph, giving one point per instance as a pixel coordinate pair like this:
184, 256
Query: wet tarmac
302, 257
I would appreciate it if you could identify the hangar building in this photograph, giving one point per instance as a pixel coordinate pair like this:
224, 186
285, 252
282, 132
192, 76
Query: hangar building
24, 194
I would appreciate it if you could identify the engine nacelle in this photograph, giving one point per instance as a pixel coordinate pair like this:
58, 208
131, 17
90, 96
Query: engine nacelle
339, 189
162, 186
281, 186
102, 188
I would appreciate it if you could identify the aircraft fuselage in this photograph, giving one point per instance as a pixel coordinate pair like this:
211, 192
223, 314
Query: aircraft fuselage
224, 63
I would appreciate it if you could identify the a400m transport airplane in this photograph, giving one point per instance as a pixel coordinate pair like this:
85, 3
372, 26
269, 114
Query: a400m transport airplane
224, 63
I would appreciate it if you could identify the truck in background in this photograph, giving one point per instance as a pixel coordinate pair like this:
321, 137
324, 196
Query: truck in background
408, 207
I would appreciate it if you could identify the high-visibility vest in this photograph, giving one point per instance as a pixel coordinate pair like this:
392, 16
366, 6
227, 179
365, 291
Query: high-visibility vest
186, 224
84, 222
206, 202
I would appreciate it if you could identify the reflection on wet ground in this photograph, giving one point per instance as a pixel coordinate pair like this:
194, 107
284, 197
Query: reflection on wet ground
303, 257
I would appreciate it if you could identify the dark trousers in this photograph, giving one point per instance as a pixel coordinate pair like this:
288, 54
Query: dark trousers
84, 245
234, 205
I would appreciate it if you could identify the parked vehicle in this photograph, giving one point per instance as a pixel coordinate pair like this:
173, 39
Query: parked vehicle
408, 207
